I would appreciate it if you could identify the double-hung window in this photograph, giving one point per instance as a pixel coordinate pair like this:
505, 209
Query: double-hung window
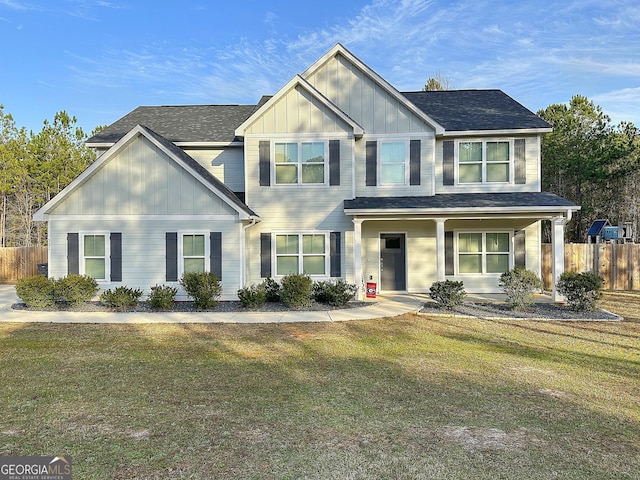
393, 163
194, 252
484, 161
300, 163
484, 252
301, 253
95, 255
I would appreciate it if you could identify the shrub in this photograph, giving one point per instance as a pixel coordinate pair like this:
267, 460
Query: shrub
162, 297
337, 293
447, 294
204, 287
520, 285
296, 291
121, 297
75, 289
271, 289
582, 290
36, 291
253, 297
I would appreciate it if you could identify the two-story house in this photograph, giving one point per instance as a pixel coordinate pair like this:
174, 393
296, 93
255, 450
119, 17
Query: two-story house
337, 175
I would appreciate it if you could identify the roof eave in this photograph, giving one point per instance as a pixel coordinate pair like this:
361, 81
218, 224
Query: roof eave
459, 211
511, 131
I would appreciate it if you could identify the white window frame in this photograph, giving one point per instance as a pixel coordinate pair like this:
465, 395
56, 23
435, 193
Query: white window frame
299, 142
107, 253
300, 255
207, 250
484, 162
484, 252
407, 167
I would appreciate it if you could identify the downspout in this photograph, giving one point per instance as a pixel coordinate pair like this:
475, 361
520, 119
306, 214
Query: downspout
243, 247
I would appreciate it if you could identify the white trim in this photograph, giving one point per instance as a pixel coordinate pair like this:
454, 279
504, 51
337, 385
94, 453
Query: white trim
132, 135
291, 84
207, 249
483, 162
141, 218
483, 253
299, 163
407, 168
107, 253
473, 133
386, 86
300, 255
461, 212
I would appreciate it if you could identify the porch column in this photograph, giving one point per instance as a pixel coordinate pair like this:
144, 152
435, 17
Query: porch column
557, 257
440, 249
357, 257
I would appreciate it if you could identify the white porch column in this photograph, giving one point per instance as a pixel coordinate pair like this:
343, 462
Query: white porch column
357, 257
557, 259
440, 250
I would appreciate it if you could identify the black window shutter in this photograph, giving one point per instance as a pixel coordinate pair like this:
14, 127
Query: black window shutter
447, 162
520, 161
265, 255
449, 264
171, 256
73, 254
334, 162
520, 249
414, 162
371, 163
116, 257
335, 260
264, 148
215, 253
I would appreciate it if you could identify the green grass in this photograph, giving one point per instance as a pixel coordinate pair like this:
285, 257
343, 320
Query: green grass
406, 397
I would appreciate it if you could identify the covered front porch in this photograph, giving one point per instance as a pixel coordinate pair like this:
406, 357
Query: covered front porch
405, 244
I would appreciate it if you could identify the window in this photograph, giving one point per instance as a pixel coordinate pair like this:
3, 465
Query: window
193, 253
484, 161
300, 163
95, 252
480, 252
301, 253
393, 163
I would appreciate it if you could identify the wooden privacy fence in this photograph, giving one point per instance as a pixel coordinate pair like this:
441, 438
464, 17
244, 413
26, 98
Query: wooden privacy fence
618, 264
20, 262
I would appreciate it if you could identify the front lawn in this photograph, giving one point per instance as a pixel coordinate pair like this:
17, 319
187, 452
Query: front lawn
406, 397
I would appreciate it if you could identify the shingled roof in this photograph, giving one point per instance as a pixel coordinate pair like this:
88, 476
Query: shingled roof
463, 202
186, 123
455, 110
464, 110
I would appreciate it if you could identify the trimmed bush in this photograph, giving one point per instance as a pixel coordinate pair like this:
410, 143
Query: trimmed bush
252, 297
36, 291
271, 289
447, 294
337, 293
121, 297
582, 290
296, 291
520, 285
204, 287
75, 289
162, 297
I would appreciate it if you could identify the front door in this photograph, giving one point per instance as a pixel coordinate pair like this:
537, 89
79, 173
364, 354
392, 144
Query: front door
393, 275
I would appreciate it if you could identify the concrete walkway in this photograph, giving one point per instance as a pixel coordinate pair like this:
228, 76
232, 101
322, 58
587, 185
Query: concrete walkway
383, 306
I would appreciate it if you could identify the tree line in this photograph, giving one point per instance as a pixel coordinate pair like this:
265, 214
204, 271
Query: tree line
586, 159
34, 167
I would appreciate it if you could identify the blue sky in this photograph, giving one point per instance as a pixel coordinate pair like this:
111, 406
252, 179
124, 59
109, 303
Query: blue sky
99, 59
